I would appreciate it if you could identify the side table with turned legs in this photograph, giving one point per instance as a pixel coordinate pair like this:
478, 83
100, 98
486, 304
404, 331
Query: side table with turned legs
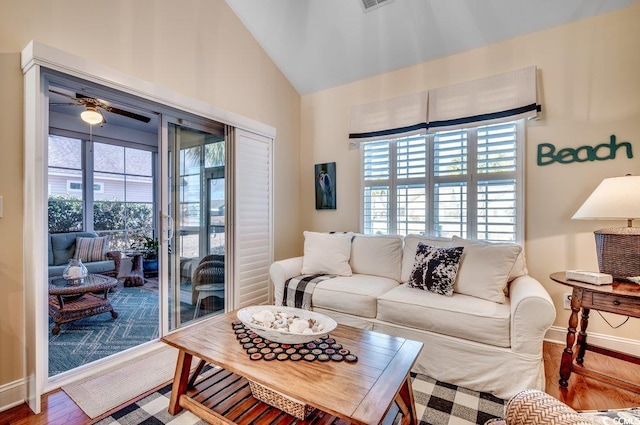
618, 298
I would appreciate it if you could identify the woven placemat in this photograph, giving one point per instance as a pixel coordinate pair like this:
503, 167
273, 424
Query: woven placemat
323, 349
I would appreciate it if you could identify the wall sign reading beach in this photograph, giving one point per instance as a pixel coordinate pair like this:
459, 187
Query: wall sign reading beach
547, 152
325, 186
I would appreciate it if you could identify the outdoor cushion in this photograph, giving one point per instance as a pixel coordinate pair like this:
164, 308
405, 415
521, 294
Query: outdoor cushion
50, 250
63, 245
91, 249
93, 267
460, 316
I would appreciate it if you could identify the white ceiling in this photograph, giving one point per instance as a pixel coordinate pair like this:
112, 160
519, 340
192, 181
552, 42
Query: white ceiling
318, 44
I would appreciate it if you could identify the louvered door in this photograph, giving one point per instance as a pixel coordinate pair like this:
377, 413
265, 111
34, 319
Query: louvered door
253, 217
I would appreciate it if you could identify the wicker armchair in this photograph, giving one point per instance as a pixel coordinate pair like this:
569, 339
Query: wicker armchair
210, 270
533, 407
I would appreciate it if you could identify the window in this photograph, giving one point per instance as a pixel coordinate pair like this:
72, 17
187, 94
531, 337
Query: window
465, 182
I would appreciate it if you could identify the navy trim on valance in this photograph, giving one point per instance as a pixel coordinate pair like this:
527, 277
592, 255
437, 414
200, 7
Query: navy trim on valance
487, 117
389, 132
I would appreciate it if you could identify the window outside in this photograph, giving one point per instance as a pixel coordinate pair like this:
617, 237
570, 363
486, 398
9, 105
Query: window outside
122, 202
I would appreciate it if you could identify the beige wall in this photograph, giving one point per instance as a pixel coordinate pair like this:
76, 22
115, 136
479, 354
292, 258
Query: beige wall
11, 170
197, 48
590, 90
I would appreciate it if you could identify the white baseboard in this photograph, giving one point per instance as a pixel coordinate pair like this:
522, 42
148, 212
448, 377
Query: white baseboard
558, 335
12, 394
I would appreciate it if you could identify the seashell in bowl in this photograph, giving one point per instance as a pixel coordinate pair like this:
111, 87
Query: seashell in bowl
288, 325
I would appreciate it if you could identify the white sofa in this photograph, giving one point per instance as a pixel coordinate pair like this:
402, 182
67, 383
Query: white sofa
489, 341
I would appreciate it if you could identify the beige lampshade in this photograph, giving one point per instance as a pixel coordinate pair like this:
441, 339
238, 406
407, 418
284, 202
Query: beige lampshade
616, 198
618, 248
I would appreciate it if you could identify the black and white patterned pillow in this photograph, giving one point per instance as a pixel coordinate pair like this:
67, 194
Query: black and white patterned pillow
435, 268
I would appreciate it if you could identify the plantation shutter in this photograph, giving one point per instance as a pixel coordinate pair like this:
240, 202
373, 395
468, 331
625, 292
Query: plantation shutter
253, 228
376, 194
475, 182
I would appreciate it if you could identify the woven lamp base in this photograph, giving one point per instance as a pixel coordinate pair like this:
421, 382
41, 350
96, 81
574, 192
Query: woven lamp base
619, 251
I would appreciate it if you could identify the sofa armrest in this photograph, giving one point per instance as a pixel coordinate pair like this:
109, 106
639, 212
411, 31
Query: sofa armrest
532, 314
282, 270
116, 256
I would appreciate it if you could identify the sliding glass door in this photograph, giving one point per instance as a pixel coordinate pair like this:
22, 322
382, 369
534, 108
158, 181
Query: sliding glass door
197, 210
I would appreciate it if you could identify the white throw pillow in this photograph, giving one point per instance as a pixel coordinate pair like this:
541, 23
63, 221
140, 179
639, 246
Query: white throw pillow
327, 253
485, 268
378, 255
411, 247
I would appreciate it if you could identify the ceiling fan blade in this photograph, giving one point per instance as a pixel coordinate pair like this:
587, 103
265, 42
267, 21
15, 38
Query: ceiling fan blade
63, 94
82, 99
64, 104
127, 114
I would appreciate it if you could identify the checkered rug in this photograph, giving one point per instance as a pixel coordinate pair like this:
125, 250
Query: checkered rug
437, 403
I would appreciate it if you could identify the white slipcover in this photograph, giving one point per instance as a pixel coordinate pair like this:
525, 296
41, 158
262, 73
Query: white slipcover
475, 343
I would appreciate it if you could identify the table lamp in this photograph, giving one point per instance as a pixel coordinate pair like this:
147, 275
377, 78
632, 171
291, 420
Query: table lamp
618, 248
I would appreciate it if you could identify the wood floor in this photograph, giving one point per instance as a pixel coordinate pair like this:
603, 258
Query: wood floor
582, 394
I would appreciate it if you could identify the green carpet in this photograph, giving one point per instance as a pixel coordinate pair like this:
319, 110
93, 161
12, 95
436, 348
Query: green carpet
87, 340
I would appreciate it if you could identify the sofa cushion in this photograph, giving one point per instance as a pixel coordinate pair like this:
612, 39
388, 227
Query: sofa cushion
63, 245
327, 253
356, 294
411, 247
519, 268
485, 268
377, 255
460, 316
50, 250
94, 267
91, 249
435, 269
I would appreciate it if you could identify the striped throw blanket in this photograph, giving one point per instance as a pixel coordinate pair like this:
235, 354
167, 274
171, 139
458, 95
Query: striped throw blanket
298, 290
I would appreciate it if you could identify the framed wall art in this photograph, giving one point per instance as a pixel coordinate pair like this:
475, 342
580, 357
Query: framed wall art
325, 177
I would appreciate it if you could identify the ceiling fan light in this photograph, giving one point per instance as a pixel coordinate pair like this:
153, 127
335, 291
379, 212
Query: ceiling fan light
91, 115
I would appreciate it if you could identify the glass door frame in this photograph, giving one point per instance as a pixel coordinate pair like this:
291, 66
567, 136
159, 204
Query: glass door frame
168, 212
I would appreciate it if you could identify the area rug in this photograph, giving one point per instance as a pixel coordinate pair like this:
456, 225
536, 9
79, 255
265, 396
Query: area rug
100, 393
437, 403
96, 337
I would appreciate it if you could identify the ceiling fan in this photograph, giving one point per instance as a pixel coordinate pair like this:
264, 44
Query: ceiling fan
92, 113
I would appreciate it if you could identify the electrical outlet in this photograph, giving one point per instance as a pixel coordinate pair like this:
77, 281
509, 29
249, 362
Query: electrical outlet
566, 301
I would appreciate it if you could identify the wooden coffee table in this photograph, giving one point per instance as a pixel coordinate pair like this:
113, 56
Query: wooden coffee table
363, 392
74, 302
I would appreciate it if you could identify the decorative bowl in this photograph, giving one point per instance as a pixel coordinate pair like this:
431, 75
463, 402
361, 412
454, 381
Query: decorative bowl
281, 336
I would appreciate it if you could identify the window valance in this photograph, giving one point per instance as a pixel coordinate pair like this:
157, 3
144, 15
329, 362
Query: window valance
499, 98
391, 118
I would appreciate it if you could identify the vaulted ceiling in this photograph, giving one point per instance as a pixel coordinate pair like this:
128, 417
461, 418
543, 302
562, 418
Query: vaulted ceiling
318, 44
